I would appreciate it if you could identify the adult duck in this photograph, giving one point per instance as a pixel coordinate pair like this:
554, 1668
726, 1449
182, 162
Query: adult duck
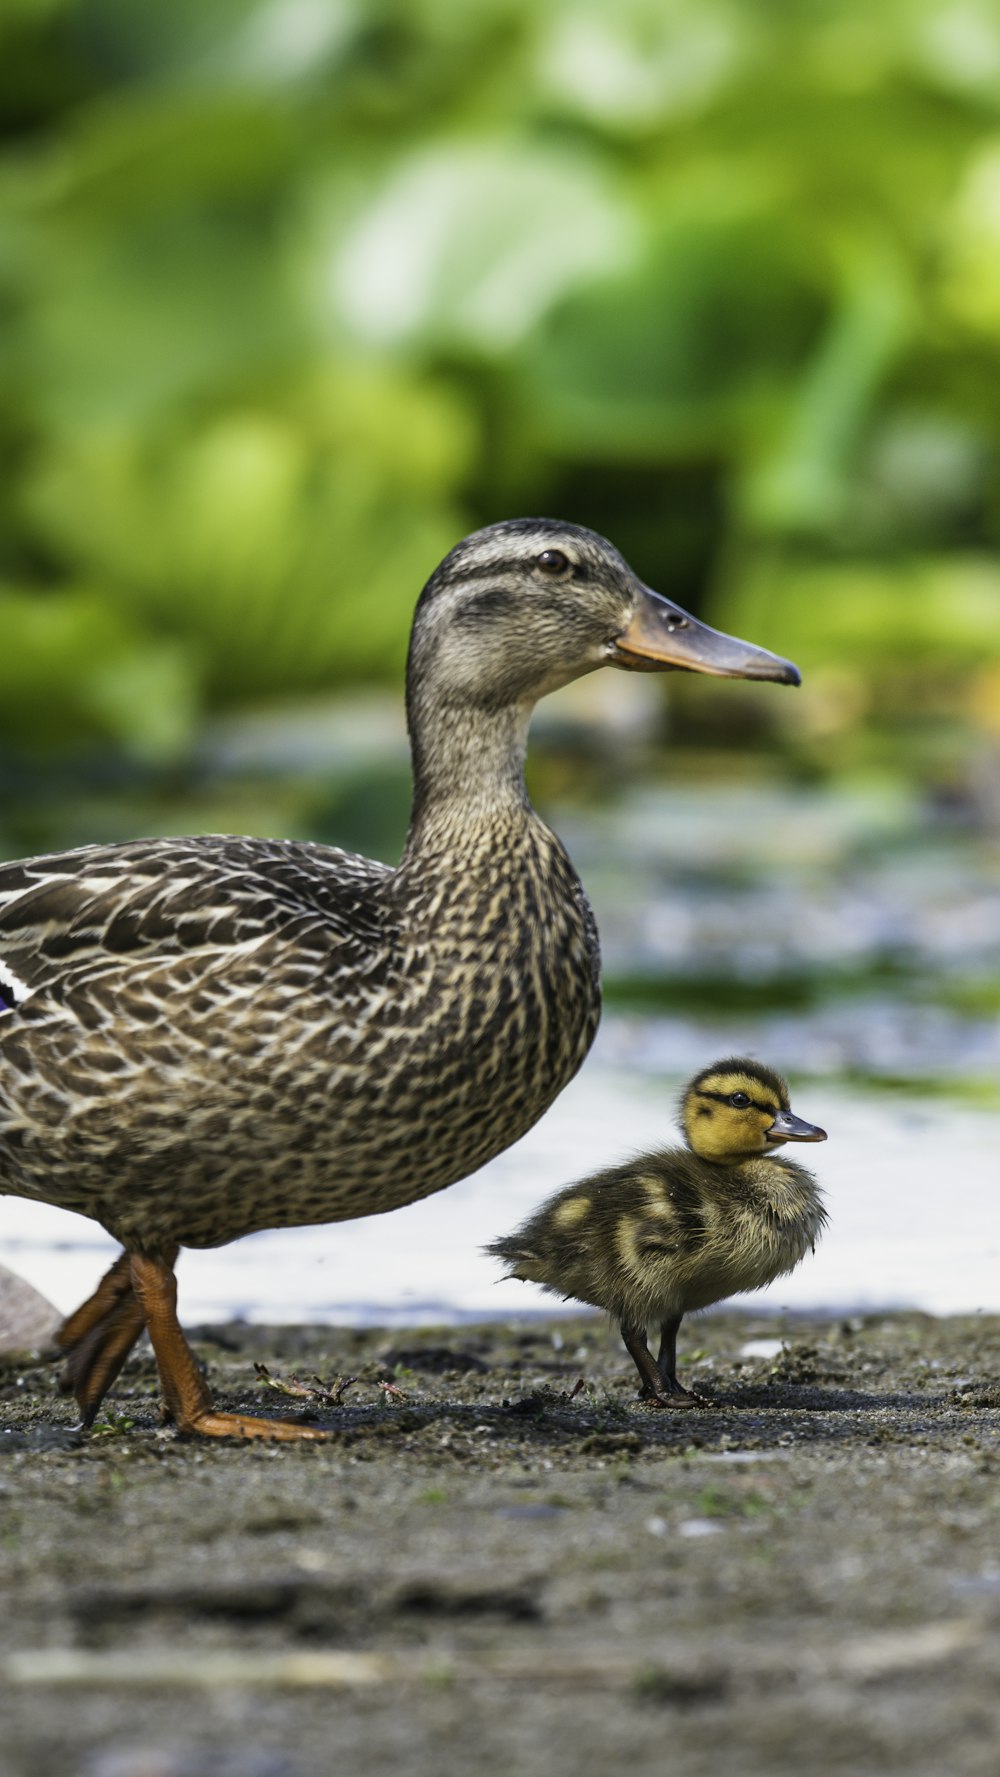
207, 1036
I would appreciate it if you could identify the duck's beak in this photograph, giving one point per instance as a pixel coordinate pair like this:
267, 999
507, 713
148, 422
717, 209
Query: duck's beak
663, 638
788, 1127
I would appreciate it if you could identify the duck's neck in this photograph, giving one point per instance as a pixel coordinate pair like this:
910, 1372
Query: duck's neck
468, 776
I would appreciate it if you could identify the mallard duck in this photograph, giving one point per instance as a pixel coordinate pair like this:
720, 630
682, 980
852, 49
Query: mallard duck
203, 1037
669, 1232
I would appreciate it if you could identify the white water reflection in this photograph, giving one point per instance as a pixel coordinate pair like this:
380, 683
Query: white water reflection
910, 1183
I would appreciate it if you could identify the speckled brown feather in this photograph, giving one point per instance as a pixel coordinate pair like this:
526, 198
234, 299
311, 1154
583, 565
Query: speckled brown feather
241, 1034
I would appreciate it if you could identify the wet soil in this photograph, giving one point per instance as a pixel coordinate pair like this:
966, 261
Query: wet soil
504, 1563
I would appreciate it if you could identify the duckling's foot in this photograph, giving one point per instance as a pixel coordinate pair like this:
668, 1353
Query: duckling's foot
676, 1398
185, 1391
660, 1387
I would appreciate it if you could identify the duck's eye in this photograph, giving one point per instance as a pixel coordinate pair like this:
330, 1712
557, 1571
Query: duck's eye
739, 1100
552, 561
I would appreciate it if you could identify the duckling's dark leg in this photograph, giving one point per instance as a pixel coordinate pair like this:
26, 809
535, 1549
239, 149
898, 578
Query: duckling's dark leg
655, 1391
185, 1390
666, 1363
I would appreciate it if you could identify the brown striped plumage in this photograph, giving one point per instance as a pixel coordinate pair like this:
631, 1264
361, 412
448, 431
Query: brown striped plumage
680, 1228
225, 1075
213, 1035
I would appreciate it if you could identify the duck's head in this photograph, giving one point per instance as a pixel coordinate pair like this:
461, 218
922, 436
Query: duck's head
520, 608
737, 1108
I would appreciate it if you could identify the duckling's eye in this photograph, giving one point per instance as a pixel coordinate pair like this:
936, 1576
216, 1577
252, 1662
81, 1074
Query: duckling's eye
552, 561
739, 1100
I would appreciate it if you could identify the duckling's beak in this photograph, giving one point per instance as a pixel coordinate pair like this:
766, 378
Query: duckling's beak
663, 638
788, 1127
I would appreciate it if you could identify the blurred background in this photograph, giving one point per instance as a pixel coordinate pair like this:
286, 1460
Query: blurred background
294, 293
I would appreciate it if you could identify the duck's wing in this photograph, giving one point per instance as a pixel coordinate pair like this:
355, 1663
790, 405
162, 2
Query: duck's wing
67, 917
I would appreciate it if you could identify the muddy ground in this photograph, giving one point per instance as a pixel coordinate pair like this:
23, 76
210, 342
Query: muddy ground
488, 1572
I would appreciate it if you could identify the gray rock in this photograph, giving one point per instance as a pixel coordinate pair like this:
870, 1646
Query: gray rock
27, 1318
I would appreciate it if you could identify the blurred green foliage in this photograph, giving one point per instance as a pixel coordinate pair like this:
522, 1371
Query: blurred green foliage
294, 292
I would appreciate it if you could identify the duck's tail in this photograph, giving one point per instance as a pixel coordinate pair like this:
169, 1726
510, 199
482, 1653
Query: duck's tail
511, 1250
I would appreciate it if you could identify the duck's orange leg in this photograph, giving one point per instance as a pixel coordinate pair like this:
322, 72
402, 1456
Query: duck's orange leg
185, 1390
115, 1284
98, 1338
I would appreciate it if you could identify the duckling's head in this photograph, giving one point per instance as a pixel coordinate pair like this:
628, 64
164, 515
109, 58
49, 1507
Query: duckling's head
737, 1108
520, 608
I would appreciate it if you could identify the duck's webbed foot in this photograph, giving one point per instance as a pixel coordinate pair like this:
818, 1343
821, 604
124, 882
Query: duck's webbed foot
186, 1393
98, 1338
211, 1424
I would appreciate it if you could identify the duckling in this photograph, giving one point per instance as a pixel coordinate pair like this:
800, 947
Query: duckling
678, 1229
202, 1037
